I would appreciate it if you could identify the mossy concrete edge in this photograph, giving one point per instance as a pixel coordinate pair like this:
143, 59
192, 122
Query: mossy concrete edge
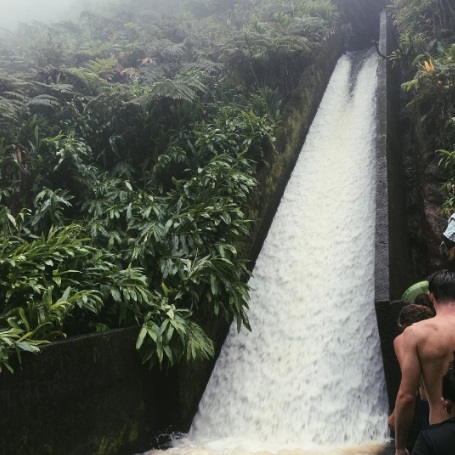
87, 395
394, 270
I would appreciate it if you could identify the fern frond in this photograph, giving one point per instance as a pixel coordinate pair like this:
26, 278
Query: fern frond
150, 74
7, 83
85, 81
174, 51
172, 89
112, 102
44, 104
103, 67
15, 97
309, 27
205, 67
193, 81
156, 48
10, 114
63, 88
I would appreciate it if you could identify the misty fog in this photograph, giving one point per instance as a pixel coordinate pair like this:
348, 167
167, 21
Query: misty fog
14, 12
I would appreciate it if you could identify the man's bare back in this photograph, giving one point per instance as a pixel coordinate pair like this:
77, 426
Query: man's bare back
427, 349
434, 342
409, 314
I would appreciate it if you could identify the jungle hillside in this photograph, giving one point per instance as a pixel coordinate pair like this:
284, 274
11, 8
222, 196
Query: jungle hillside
132, 141
426, 58
130, 144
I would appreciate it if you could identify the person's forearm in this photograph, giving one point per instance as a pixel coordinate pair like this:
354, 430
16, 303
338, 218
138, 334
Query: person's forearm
404, 413
391, 421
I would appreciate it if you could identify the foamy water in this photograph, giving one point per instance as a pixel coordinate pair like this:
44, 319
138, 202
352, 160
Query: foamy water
364, 449
308, 379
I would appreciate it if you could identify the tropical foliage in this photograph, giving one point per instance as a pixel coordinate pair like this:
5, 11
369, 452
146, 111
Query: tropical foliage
129, 145
427, 49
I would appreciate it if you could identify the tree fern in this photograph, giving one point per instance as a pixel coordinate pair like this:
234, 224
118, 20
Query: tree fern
151, 73
61, 89
103, 67
313, 28
44, 104
204, 66
185, 87
10, 113
86, 81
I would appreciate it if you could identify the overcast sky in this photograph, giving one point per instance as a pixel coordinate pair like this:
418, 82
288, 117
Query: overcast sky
14, 11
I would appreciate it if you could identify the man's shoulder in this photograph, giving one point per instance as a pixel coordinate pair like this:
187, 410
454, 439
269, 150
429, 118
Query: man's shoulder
420, 331
434, 337
421, 328
435, 323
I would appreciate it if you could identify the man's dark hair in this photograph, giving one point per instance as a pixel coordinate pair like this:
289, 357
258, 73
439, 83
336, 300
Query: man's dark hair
424, 299
442, 286
413, 313
448, 382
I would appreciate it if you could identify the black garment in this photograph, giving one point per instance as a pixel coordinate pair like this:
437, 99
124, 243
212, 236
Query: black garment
439, 439
424, 407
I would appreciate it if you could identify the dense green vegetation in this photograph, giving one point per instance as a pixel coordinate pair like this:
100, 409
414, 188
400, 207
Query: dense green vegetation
129, 147
427, 49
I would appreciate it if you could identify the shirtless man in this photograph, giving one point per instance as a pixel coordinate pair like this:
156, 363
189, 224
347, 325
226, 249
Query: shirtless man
410, 314
427, 351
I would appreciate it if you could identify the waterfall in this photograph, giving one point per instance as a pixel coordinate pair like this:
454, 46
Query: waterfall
309, 376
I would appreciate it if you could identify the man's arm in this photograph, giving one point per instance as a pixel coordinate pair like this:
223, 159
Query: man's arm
398, 348
410, 377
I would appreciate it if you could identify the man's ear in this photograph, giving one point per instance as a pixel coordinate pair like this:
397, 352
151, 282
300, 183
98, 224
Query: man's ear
447, 404
431, 296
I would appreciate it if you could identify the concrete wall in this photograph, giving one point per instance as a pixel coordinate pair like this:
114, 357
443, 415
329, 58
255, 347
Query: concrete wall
387, 273
87, 395
394, 270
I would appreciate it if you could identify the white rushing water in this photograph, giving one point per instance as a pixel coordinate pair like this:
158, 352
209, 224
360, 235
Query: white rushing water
308, 378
